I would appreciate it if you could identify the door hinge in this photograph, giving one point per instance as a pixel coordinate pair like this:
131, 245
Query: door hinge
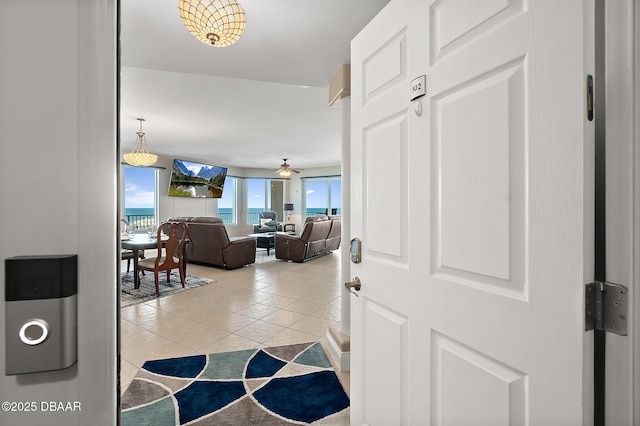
606, 307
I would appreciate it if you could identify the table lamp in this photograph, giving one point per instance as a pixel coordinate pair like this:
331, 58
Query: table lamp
288, 207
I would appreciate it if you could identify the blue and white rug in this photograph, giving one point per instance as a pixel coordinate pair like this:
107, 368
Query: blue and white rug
282, 385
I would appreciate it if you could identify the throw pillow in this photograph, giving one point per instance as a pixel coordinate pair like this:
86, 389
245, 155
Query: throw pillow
263, 222
272, 223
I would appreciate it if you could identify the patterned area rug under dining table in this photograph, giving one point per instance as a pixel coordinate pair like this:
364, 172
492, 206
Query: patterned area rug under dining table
282, 385
147, 289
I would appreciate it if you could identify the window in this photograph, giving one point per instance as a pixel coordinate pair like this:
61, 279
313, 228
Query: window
323, 196
258, 198
226, 204
141, 196
264, 195
315, 198
335, 196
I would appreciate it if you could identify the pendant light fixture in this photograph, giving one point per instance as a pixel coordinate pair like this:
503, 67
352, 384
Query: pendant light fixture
140, 155
217, 23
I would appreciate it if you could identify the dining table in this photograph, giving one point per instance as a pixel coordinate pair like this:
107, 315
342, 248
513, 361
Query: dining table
141, 241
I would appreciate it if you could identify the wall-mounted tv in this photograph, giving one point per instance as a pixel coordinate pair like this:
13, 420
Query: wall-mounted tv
189, 179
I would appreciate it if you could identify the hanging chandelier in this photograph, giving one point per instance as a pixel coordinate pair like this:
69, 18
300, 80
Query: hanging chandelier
217, 23
140, 155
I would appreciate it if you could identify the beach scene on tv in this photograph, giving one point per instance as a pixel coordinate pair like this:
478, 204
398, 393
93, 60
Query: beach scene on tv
196, 180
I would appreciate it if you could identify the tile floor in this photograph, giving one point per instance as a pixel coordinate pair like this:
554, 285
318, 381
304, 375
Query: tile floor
269, 303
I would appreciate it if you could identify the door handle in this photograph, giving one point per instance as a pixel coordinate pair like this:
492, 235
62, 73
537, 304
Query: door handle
353, 285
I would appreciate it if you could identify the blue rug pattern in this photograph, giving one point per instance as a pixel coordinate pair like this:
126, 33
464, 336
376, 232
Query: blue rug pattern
282, 385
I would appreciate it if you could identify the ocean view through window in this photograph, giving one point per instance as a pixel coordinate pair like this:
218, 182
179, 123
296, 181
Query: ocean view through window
258, 198
323, 196
140, 196
226, 204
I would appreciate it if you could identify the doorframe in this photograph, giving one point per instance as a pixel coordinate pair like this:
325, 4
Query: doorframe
635, 312
622, 57
97, 222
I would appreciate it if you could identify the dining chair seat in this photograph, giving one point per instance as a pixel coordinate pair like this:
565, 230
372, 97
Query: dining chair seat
149, 263
127, 255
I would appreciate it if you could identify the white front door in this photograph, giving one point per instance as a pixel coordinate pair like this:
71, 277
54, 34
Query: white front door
474, 207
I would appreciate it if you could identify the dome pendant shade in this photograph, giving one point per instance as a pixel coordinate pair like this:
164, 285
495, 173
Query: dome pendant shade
140, 155
217, 23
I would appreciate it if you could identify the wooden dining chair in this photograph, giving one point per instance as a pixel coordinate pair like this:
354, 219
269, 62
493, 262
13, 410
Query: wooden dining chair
126, 254
173, 248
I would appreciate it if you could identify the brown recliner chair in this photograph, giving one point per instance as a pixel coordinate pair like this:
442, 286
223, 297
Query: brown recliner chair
312, 241
334, 237
209, 243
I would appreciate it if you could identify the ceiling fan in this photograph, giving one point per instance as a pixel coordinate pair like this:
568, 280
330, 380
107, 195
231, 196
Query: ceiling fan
285, 169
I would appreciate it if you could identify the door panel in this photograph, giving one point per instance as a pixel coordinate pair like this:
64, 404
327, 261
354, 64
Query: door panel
385, 177
385, 370
479, 187
470, 388
386, 67
474, 207
455, 22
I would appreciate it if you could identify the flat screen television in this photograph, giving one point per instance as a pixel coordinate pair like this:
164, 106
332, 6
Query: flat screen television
196, 180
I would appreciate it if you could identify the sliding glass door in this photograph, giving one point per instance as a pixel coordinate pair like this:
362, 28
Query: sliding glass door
141, 196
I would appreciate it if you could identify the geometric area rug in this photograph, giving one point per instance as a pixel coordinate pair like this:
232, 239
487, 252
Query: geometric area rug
282, 385
147, 289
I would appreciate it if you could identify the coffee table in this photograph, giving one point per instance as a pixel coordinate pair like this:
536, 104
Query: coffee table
267, 240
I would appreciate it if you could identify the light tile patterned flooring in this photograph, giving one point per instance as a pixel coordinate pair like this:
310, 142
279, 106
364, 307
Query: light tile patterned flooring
269, 303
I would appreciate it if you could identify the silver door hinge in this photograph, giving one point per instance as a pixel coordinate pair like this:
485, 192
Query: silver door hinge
606, 307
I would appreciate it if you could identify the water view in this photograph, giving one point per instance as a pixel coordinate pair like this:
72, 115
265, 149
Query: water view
145, 217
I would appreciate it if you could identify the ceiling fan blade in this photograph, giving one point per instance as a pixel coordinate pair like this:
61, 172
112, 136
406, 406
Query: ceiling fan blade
284, 167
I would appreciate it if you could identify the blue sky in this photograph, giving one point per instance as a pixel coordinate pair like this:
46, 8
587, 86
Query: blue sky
317, 194
255, 188
139, 187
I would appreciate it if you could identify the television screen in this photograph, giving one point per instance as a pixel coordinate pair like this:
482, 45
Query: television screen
196, 180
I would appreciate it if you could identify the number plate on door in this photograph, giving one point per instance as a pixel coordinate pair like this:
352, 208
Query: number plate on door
418, 87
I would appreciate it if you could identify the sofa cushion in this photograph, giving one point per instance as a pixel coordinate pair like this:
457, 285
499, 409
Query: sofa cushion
206, 219
180, 219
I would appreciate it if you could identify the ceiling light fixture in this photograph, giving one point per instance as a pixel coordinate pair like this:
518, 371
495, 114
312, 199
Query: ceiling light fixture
285, 169
140, 155
217, 23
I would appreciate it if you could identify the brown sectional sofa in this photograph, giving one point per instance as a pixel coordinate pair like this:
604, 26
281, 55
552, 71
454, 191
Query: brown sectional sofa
209, 243
320, 235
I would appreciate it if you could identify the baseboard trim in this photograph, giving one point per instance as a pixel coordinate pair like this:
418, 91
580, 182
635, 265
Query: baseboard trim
340, 360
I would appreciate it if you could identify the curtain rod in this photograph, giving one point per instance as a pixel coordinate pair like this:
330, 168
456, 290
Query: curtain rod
318, 177
257, 177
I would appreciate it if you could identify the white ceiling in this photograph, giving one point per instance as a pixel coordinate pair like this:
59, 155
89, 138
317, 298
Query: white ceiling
242, 105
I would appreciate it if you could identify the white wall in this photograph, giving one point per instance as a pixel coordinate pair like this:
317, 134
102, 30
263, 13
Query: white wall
58, 187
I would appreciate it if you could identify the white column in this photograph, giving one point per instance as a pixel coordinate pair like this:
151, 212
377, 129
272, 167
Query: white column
338, 336
346, 214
